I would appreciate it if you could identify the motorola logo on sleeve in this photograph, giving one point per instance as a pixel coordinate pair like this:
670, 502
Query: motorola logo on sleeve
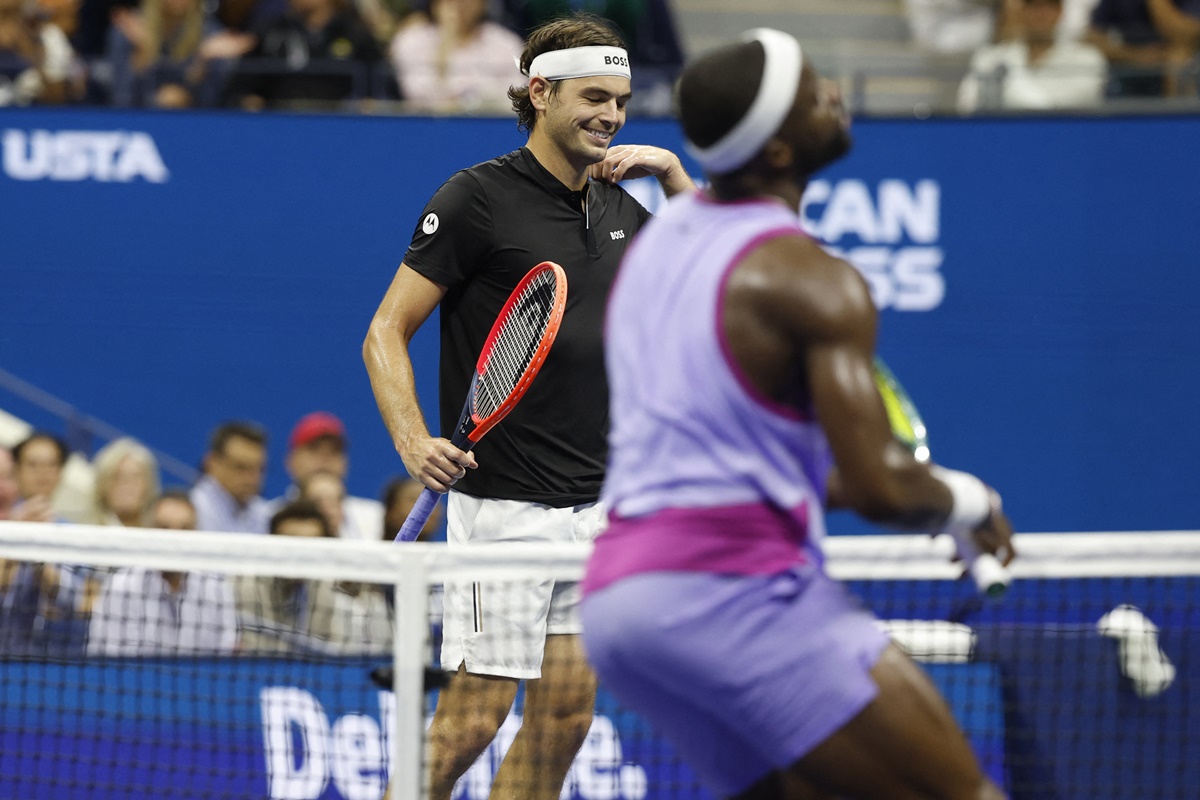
430, 224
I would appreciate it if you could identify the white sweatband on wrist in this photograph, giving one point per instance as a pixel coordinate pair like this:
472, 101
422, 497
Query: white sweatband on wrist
972, 499
972, 505
774, 100
580, 62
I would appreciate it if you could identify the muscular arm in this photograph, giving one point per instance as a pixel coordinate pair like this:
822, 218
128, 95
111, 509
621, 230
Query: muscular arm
409, 301
794, 313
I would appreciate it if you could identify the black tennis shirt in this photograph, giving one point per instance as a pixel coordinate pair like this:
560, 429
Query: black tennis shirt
480, 233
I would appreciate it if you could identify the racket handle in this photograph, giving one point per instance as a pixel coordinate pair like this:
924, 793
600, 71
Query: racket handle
990, 576
418, 515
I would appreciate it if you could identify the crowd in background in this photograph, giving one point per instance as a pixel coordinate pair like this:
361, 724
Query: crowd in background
434, 55
69, 610
456, 56
1046, 54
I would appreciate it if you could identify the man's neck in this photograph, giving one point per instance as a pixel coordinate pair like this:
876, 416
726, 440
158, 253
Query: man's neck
550, 156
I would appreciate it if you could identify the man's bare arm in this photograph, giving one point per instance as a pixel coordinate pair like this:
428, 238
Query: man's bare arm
822, 305
409, 301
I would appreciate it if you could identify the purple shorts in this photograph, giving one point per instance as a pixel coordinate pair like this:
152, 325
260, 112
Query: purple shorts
743, 675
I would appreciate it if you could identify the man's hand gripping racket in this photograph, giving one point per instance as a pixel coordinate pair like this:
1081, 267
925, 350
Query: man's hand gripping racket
989, 572
512, 355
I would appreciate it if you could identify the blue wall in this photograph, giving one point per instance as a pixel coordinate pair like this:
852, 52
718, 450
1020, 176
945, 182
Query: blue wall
1037, 279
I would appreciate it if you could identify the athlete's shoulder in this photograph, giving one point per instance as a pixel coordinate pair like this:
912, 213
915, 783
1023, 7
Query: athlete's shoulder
794, 276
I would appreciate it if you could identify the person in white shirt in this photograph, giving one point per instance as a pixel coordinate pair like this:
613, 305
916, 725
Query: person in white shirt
227, 496
144, 612
318, 443
1037, 70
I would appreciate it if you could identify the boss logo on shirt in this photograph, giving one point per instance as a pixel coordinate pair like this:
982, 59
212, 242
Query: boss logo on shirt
620, 61
430, 224
616, 235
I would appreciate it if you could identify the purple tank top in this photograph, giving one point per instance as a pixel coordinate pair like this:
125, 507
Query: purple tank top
704, 473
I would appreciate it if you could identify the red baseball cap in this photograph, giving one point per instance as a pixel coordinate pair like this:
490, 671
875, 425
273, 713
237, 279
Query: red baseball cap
317, 425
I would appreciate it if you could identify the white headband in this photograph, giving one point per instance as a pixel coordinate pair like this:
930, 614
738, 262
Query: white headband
580, 62
775, 98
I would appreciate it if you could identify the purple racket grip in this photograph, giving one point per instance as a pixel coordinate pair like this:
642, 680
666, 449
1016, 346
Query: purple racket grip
417, 516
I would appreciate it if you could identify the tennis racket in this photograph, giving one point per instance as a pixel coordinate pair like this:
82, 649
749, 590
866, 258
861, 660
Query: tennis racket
989, 574
512, 355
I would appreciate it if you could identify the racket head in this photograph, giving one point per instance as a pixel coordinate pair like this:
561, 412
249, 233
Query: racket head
517, 346
903, 417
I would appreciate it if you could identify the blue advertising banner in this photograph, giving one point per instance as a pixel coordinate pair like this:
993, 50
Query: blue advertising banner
165, 272
262, 728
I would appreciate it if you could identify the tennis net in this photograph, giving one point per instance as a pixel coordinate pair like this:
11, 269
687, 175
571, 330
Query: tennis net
1080, 682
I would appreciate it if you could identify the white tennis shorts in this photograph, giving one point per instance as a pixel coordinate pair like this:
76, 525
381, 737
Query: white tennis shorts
500, 627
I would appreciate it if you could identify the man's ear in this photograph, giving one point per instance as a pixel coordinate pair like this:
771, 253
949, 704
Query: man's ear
539, 93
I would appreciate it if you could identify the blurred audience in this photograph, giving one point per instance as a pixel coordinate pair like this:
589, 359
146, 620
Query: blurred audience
318, 443
296, 615
1036, 70
8, 485
143, 612
326, 491
37, 62
399, 496
1180, 27
126, 483
170, 54
951, 26
12, 504
457, 60
227, 495
1143, 40
38, 462
44, 607
319, 53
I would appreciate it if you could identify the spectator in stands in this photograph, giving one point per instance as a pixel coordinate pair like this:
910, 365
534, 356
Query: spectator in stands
319, 53
627, 15
18, 581
1036, 70
1182, 32
38, 462
399, 496
170, 54
951, 26
357, 607
127, 482
144, 612
457, 60
1140, 44
8, 485
44, 605
37, 62
296, 615
227, 496
318, 443
326, 491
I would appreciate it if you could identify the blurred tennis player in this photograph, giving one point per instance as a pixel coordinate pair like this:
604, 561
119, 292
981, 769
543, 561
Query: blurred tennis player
540, 471
740, 366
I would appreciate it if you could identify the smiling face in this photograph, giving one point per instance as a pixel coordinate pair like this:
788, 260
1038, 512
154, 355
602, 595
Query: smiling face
577, 120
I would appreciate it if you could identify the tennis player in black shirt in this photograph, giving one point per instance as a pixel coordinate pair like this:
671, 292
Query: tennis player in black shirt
537, 476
